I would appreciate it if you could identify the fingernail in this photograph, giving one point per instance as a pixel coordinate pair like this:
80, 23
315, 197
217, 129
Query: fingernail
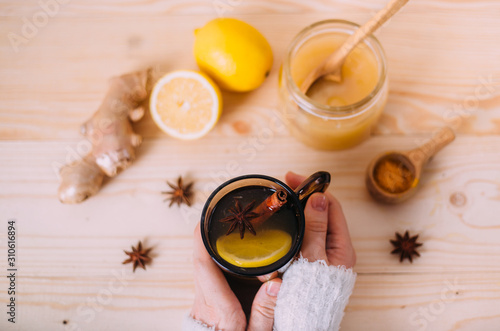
319, 202
273, 288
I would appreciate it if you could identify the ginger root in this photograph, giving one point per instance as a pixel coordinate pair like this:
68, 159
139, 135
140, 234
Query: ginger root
113, 141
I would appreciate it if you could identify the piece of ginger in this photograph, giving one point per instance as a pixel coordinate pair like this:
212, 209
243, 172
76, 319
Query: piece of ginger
113, 141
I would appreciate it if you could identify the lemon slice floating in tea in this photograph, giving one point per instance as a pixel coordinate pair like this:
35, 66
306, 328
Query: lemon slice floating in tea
263, 249
185, 104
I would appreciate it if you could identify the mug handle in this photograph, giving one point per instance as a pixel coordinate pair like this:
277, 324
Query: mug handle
317, 182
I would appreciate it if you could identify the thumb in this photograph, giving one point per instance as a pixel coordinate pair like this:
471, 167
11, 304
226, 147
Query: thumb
316, 213
262, 315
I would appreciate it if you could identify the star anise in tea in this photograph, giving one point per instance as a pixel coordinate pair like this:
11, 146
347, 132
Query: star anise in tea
180, 193
241, 218
139, 257
405, 246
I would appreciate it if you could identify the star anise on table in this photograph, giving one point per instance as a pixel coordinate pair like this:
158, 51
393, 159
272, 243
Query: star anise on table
180, 193
241, 218
139, 257
405, 246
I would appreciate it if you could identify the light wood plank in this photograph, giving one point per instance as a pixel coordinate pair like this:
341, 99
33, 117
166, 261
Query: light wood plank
221, 7
424, 302
57, 79
157, 301
458, 238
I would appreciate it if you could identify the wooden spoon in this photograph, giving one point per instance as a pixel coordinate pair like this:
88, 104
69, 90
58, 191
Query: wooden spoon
414, 160
331, 68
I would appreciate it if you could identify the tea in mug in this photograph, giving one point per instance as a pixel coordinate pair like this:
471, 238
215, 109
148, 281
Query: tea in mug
253, 226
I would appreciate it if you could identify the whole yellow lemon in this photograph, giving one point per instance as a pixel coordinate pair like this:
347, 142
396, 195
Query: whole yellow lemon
233, 53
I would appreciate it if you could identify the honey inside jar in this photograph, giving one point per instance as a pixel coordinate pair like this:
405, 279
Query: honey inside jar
333, 115
359, 71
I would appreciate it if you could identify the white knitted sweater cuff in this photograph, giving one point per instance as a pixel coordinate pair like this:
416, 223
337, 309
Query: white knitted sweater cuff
190, 324
313, 296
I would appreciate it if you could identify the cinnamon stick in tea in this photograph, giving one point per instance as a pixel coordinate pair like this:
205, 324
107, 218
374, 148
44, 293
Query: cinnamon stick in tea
269, 206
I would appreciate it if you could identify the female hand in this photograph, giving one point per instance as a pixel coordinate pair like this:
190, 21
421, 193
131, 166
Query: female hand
326, 234
215, 304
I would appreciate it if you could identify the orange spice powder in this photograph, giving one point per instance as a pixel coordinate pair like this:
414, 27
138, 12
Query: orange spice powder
393, 176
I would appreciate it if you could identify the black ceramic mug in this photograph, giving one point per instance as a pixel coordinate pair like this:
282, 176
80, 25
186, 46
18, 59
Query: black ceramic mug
296, 201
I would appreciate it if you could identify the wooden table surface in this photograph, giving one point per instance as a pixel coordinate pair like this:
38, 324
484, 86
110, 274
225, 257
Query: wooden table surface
444, 69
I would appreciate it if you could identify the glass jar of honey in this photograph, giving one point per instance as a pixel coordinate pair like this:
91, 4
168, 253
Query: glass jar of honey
333, 115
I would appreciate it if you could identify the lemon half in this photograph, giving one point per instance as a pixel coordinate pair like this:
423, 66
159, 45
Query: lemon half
267, 247
185, 104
